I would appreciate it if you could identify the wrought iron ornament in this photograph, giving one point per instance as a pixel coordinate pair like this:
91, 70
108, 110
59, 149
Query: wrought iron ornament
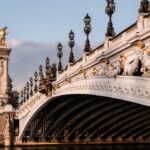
60, 54
110, 9
71, 44
144, 7
87, 30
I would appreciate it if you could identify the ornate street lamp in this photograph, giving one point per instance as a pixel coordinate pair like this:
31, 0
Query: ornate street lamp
35, 80
41, 77
25, 92
22, 96
48, 69
31, 85
59, 54
27, 86
54, 71
144, 7
42, 81
87, 30
49, 77
110, 9
71, 44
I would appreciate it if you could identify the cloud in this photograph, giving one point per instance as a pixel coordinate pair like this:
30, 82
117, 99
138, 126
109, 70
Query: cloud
26, 56
15, 43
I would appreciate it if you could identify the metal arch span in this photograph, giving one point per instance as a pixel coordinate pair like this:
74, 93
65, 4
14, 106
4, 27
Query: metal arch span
86, 118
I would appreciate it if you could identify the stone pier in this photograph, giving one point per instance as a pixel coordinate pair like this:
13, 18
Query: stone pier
6, 126
6, 110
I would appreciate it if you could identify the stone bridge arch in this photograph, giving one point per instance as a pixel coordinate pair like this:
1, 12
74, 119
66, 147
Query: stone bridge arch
125, 88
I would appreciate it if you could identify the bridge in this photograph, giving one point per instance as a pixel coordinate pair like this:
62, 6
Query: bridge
102, 97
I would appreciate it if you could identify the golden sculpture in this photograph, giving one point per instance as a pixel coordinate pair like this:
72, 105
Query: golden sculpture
95, 71
3, 33
122, 61
105, 61
146, 62
83, 72
139, 44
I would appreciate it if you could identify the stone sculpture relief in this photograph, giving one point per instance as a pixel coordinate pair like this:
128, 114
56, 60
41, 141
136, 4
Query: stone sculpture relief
136, 65
3, 32
143, 54
146, 63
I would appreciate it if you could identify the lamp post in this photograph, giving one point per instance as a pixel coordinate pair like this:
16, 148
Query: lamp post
54, 71
59, 54
144, 7
48, 69
71, 44
110, 9
31, 85
27, 87
41, 77
22, 97
87, 30
35, 80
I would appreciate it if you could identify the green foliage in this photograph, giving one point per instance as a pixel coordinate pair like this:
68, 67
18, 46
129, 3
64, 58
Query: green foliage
13, 95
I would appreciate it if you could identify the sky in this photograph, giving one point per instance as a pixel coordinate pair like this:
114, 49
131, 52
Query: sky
36, 26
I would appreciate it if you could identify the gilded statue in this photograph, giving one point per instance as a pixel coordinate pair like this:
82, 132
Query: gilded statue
3, 33
146, 62
143, 53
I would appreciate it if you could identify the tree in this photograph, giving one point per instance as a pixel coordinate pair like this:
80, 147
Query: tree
13, 95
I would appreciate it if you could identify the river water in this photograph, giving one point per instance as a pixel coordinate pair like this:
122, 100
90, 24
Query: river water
83, 147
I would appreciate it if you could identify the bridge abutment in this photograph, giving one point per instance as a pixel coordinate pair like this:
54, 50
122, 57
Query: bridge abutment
6, 126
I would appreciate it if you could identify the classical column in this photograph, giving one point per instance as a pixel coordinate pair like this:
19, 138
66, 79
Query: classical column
4, 57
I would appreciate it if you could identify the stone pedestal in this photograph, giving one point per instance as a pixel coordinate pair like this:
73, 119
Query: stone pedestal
9, 128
